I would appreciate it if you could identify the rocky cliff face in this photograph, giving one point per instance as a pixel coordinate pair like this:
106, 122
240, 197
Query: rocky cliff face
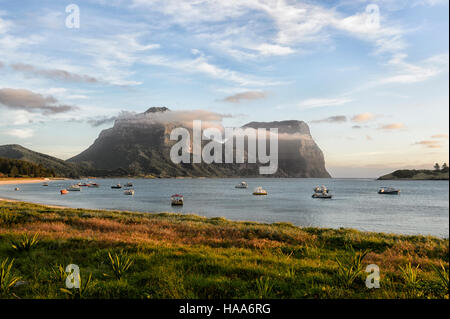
298, 154
141, 145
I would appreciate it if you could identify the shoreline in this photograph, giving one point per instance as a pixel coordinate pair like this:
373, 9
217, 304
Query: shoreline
140, 213
18, 181
11, 200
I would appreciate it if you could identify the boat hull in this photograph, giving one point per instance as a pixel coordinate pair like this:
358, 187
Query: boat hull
322, 196
389, 193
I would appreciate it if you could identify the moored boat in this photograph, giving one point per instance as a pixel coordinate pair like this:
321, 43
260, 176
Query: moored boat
128, 184
93, 185
259, 191
177, 200
129, 192
241, 185
117, 186
321, 192
64, 191
322, 195
74, 188
388, 191
17, 189
45, 184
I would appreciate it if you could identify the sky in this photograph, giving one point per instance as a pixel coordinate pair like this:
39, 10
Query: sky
371, 78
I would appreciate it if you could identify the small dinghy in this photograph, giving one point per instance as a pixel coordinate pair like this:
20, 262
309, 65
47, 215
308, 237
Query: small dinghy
74, 188
129, 192
93, 185
388, 191
177, 200
45, 184
117, 186
64, 191
128, 184
259, 191
241, 185
17, 189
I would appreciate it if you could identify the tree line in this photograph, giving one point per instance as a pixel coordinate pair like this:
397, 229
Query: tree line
443, 168
19, 168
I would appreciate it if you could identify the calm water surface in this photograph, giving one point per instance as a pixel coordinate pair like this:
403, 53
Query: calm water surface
421, 208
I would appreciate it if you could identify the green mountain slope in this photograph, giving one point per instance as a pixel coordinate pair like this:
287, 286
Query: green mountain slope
58, 166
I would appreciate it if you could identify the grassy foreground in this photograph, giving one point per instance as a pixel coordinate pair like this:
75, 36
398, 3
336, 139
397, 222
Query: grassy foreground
135, 255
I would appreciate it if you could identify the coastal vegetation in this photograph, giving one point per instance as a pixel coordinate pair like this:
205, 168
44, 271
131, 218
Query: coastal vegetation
439, 173
139, 255
18, 168
19, 161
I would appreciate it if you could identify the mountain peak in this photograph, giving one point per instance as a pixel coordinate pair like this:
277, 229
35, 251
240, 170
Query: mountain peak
156, 109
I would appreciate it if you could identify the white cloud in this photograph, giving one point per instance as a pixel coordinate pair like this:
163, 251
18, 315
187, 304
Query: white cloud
114, 54
411, 73
4, 25
267, 49
320, 102
20, 133
22, 117
276, 28
202, 66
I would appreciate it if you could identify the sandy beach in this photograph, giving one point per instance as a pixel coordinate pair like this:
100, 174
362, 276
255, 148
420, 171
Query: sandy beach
14, 181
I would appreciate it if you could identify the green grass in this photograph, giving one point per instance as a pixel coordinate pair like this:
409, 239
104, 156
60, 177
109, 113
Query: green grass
137, 255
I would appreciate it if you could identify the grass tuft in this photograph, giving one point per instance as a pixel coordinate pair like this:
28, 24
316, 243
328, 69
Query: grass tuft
120, 263
26, 243
7, 279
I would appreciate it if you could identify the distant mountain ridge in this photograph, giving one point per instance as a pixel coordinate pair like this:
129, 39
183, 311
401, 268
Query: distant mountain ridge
141, 146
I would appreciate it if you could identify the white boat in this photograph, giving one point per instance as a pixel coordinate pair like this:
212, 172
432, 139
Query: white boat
259, 191
320, 189
321, 192
45, 184
177, 200
17, 189
241, 185
74, 188
129, 192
